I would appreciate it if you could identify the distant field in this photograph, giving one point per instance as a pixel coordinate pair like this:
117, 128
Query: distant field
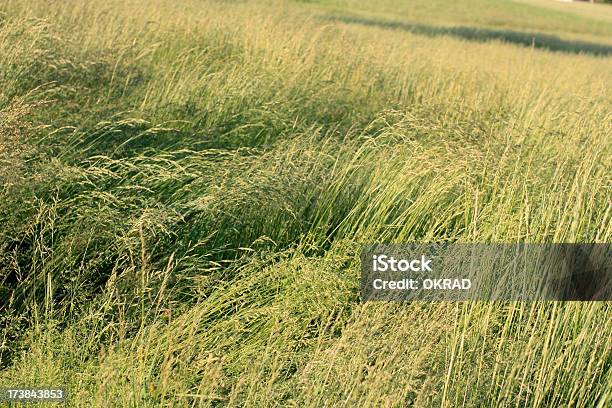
185, 187
546, 16
596, 11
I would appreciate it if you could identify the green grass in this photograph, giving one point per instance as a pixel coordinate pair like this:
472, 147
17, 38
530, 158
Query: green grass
184, 188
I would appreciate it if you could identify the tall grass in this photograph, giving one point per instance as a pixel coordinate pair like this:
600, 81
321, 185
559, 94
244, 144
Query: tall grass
185, 187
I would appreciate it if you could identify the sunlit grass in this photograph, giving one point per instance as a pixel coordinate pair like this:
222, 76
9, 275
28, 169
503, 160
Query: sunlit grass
185, 187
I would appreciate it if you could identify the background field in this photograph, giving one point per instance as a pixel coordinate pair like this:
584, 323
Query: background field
184, 187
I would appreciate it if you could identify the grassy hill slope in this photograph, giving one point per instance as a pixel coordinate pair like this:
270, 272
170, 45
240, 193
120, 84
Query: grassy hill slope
184, 187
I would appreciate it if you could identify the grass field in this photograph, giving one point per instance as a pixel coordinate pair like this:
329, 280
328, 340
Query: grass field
185, 187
